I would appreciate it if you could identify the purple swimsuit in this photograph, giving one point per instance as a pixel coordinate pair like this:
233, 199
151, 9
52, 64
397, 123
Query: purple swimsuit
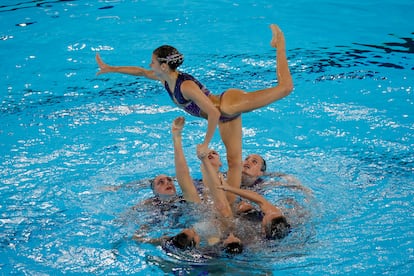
188, 105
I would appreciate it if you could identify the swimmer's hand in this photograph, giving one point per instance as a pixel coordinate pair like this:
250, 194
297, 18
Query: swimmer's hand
111, 188
202, 151
224, 185
103, 67
178, 125
139, 235
244, 207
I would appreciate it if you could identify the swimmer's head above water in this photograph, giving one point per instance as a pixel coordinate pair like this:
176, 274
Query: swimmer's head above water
255, 163
186, 239
276, 228
169, 55
232, 245
253, 167
163, 185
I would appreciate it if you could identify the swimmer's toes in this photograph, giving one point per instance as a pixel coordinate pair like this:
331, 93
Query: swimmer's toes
275, 31
277, 35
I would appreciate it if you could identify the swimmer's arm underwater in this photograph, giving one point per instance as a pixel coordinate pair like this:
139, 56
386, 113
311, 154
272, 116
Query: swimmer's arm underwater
153, 241
136, 184
292, 182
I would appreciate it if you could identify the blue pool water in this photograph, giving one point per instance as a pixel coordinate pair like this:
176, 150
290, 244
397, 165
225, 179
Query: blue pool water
346, 132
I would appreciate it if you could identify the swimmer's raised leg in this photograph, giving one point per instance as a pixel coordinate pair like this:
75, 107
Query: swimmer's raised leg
236, 101
278, 40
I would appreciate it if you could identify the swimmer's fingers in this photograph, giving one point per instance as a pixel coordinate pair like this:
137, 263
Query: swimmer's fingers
178, 124
111, 188
221, 178
244, 206
223, 186
202, 151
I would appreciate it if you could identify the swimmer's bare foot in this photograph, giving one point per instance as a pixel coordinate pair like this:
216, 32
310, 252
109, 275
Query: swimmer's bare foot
278, 39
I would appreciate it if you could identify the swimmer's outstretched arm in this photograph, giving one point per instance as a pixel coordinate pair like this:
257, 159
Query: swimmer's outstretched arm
247, 194
129, 70
135, 184
264, 205
182, 171
155, 241
291, 182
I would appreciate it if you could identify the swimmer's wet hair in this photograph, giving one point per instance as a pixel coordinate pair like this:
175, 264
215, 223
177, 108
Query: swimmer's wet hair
263, 168
182, 241
169, 55
233, 248
278, 228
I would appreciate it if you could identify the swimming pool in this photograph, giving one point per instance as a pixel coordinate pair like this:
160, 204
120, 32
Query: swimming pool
346, 131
